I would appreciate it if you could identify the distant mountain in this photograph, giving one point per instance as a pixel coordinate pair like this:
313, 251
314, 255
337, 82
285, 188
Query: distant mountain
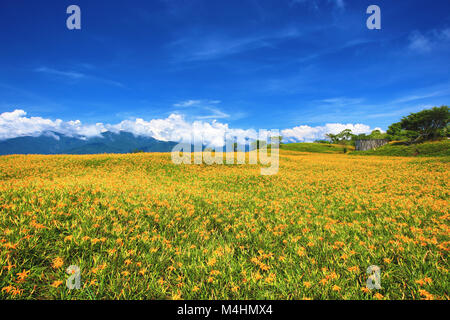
109, 142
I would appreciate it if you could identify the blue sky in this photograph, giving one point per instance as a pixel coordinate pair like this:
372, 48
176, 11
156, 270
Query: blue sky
248, 63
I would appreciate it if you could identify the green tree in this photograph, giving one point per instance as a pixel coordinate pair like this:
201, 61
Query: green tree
394, 129
395, 132
332, 137
344, 137
258, 144
428, 124
377, 134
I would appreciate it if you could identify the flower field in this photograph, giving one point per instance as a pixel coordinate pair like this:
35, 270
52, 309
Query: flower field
140, 227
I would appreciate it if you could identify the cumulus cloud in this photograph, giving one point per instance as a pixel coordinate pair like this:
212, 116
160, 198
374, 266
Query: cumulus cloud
305, 133
176, 128
17, 124
173, 128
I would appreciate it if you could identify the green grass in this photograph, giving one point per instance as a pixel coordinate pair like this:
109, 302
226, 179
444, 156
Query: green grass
427, 149
315, 147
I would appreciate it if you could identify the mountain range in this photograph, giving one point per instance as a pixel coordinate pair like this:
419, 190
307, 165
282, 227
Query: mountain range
108, 142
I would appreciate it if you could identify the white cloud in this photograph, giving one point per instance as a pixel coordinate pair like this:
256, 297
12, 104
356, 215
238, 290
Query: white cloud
176, 128
419, 43
444, 34
76, 76
340, 4
68, 74
173, 128
16, 124
187, 103
306, 133
424, 43
341, 101
203, 106
196, 103
201, 47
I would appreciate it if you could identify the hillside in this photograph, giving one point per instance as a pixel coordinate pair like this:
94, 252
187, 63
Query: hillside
108, 142
427, 149
315, 147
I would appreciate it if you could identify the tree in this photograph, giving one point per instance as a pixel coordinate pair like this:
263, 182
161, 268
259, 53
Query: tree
258, 144
343, 137
361, 136
377, 134
333, 138
428, 124
394, 129
395, 132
